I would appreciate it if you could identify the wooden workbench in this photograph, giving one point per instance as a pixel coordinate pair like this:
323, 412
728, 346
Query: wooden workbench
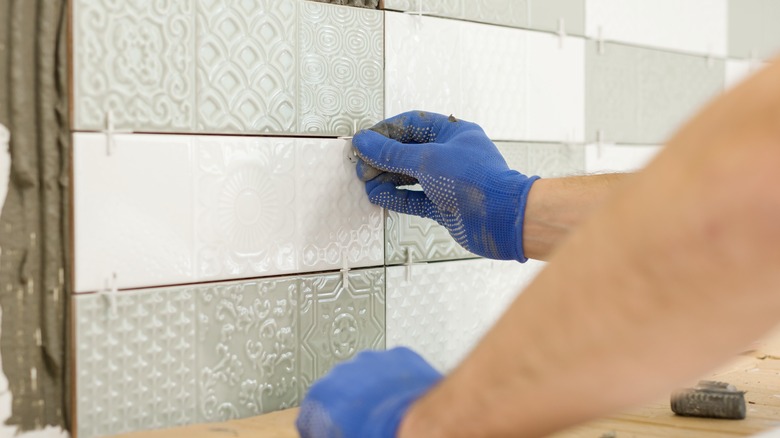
756, 371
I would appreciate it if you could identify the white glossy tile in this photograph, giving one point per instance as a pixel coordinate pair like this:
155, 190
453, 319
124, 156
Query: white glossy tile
608, 158
699, 26
737, 71
441, 310
171, 209
753, 29
516, 84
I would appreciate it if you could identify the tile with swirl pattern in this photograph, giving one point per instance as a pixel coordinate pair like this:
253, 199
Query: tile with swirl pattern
177, 209
172, 356
222, 66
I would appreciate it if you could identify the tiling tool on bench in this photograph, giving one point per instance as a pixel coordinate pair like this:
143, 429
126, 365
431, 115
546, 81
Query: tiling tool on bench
710, 399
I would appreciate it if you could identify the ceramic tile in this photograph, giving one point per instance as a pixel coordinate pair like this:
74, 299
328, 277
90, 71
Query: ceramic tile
172, 209
341, 73
485, 74
550, 160
753, 30
642, 96
213, 352
442, 309
608, 158
218, 66
246, 66
247, 348
135, 368
135, 59
697, 26
337, 321
533, 14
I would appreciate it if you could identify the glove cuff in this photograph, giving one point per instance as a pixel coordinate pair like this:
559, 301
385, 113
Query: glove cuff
522, 200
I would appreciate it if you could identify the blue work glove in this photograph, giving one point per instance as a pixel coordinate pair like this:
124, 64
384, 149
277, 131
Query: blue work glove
466, 184
366, 397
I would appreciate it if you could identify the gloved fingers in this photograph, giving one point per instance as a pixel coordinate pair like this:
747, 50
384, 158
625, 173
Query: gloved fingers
387, 195
366, 173
387, 154
411, 126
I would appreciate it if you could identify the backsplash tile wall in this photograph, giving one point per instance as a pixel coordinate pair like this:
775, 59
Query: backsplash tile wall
223, 66
164, 357
210, 269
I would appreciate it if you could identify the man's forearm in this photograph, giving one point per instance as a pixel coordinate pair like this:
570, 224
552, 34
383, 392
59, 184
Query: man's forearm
673, 273
557, 205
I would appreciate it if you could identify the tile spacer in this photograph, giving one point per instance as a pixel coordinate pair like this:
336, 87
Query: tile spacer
599, 143
110, 294
561, 32
110, 131
600, 41
344, 269
408, 263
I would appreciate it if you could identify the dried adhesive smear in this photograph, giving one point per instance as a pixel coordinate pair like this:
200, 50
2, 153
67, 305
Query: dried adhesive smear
34, 219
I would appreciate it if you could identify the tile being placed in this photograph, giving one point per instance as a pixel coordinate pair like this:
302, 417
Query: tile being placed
217, 66
337, 320
442, 309
753, 30
135, 365
490, 75
609, 158
247, 348
642, 96
696, 26
547, 160
532, 14
172, 209
737, 71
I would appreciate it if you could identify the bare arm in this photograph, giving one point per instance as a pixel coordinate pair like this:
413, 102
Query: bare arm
556, 206
675, 272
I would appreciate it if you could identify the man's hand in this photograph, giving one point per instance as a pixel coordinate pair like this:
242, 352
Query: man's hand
467, 185
366, 397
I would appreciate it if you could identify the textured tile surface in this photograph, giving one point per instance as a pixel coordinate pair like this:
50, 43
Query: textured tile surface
753, 30
608, 158
698, 26
172, 209
337, 320
429, 241
371, 4
444, 308
215, 352
491, 75
642, 96
247, 348
222, 66
532, 14
135, 369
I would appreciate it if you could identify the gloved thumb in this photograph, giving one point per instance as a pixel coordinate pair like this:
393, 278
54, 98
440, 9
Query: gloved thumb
387, 154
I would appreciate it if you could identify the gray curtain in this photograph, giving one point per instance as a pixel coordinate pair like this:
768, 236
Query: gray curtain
34, 224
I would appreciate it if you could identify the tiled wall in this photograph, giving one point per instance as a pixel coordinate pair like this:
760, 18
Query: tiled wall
225, 254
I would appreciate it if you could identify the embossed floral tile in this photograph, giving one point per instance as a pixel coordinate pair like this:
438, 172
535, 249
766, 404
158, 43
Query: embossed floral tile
158, 358
174, 209
215, 66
